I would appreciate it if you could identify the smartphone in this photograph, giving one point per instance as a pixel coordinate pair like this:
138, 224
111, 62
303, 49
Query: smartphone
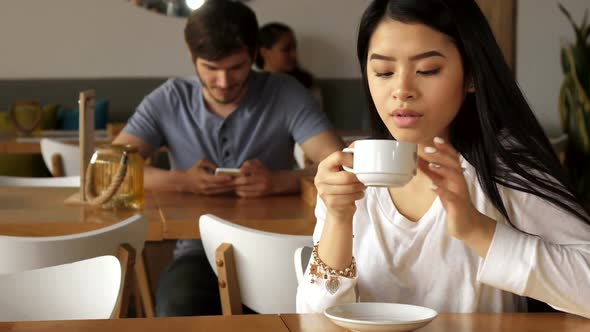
227, 171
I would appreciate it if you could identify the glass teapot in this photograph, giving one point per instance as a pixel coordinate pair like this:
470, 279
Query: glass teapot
114, 178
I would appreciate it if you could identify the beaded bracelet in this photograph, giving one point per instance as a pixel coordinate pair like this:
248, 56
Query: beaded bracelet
320, 270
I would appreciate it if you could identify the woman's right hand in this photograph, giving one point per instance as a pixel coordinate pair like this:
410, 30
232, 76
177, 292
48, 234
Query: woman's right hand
338, 188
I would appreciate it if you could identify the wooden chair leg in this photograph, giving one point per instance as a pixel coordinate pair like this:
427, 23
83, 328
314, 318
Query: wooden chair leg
137, 302
57, 165
126, 255
229, 290
143, 287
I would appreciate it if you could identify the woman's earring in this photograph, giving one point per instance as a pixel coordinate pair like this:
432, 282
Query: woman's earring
471, 87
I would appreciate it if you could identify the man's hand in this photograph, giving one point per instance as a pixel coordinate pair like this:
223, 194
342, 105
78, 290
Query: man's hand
256, 182
202, 181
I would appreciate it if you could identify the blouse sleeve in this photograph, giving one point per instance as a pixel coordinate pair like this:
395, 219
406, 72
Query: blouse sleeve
550, 264
313, 297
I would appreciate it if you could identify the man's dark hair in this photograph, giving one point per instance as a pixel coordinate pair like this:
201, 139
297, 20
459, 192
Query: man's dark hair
221, 28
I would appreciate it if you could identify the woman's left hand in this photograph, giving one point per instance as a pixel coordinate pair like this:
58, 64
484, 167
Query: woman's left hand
441, 163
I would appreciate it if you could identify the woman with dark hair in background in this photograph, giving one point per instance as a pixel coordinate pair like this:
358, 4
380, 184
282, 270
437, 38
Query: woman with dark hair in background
489, 219
277, 53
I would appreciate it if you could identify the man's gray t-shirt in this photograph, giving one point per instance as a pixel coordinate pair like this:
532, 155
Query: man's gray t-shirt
275, 112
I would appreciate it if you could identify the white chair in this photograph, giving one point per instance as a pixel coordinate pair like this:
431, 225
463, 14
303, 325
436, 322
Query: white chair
299, 156
123, 239
301, 260
253, 267
60, 158
85, 289
20, 181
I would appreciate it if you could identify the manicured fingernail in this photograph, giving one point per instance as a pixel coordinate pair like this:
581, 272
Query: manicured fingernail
433, 186
429, 149
433, 165
439, 140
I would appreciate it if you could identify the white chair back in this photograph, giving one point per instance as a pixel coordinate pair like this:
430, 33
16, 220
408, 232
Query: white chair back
299, 156
264, 262
86, 289
70, 156
28, 253
301, 260
20, 181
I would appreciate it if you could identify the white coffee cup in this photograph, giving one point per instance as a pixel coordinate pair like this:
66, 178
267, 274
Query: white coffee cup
383, 163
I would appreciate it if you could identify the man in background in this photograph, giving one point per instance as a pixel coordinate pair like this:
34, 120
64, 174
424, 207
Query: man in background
227, 116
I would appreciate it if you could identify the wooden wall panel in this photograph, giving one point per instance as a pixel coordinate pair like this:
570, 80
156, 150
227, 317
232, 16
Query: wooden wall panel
501, 15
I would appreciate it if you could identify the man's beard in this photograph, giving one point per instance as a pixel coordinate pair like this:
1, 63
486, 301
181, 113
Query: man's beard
231, 98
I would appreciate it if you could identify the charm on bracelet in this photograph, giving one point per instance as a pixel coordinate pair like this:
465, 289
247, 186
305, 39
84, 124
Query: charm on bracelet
332, 285
319, 270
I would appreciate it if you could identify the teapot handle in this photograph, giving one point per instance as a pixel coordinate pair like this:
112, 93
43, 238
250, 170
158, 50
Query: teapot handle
106, 195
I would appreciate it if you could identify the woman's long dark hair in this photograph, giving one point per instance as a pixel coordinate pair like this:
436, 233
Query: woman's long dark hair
495, 129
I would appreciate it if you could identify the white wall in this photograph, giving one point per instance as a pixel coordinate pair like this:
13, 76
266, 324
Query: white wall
112, 38
88, 38
541, 28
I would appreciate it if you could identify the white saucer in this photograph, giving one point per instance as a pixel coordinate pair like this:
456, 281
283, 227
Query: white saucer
367, 316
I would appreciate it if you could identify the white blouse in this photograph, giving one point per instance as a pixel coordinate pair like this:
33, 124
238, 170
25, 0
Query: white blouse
401, 261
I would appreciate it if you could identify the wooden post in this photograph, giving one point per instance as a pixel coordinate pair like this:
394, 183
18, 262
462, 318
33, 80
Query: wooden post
86, 135
227, 278
501, 15
57, 165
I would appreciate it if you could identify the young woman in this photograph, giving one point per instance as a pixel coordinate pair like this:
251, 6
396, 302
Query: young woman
277, 53
488, 220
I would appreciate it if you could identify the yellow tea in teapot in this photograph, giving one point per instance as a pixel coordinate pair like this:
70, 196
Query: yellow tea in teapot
117, 170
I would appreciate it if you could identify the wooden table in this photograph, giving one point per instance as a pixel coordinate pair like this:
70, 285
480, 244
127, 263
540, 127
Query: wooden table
521, 322
41, 212
308, 323
245, 323
287, 214
11, 145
